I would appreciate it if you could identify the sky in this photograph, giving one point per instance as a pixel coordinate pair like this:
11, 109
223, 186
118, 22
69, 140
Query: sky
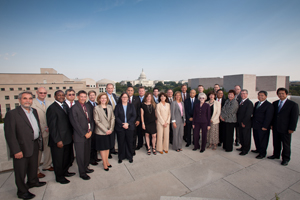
169, 39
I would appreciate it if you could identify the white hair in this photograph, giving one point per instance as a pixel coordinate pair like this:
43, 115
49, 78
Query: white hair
202, 95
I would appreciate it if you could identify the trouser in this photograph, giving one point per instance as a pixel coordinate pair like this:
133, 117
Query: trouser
125, 142
245, 138
162, 141
188, 136
284, 140
26, 166
171, 133
140, 135
228, 136
177, 135
83, 155
196, 134
47, 155
61, 160
134, 140
221, 131
261, 139
93, 154
237, 133
113, 138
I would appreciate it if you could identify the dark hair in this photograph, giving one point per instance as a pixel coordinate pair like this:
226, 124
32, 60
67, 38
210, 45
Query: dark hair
69, 90
92, 91
211, 92
152, 99
282, 89
217, 84
163, 94
130, 87
184, 85
200, 86
219, 90
264, 92
25, 92
58, 92
231, 91
123, 94
155, 89
169, 89
141, 87
239, 86
81, 92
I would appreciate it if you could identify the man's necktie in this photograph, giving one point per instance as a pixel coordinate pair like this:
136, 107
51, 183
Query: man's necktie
129, 100
70, 104
192, 104
44, 106
280, 106
112, 102
184, 97
258, 105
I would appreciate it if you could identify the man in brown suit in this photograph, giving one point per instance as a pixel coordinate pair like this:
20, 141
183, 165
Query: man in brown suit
23, 136
41, 105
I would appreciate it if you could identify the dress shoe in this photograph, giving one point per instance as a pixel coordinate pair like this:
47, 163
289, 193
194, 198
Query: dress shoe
94, 163
284, 163
109, 166
237, 144
89, 171
107, 169
166, 151
161, 152
51, 169
201, 151
219, 144
85, 177
259, 157
133, 153
254, 151
114, 152
38, 184
187, 145
26, 195
109, 156
131, 161
69, 174
242, 154
119, 161
273, 157
64, 181
137, 148
41, 175
98, 160
239, 149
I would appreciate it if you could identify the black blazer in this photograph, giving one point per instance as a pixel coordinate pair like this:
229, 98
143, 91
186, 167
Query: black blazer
262, 116
287, 118
189, 112
187, 95
244, 113
60, 128
19, 132
222, 102
80, 122
91, 110
137, 106
120, 117
115, 97
202, 115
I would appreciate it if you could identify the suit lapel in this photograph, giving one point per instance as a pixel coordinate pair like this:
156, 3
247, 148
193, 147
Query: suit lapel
284, 105
103, 113
108, 112
40, 106
23, 115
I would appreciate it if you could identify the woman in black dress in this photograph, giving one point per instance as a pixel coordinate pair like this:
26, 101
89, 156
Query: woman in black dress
105, 122
148, 119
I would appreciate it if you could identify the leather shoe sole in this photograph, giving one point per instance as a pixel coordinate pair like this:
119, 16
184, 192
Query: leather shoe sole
85, 177
242, 154
254, 151
273, 157
27, 195
94, 163
39, 184
259, 157
66, 181
51, 169
69, 174
89, 171
284, 163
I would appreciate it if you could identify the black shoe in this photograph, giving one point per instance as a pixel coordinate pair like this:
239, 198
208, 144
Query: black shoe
254, 151
131, 161
284, 163
109, 166
107, 169
26, 195
273, 157
219, 144
69, 174
119, 161
65, 181
137, 148
94, 163
38, 184
98, 160
237, 144
85, 177
89, 171
114, 152
133, 153
239, 149
242, 154
259, 157
194, 149
187, 145
201, 151
109, 156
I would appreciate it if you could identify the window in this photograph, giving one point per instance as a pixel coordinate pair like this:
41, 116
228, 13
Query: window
6, 97
7, 107
35, 88
71, 87
50, 88
2, 89
64, 88
57, 88
33, 96
16, 105
16, 97
20, 89
11, 89
28, 88
49, 95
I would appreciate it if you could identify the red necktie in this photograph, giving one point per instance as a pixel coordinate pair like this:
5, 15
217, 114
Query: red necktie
71, 104
129, 100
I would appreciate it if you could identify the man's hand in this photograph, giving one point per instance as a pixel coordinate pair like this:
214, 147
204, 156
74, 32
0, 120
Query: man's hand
60, 144
193, 126
165, 125
243, 125
19, 155
88, 135
191, 119
184, 124
264, 129
290, 131
174, 125
108, 132
125, 125
208, 128
137, 123
221, 118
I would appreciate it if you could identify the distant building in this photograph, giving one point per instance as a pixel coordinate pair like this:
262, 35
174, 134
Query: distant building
142, 80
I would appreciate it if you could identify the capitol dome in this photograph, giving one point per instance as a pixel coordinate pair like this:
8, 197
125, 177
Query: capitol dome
142, 75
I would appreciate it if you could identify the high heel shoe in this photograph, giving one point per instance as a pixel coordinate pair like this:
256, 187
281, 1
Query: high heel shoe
109, 166
107, 169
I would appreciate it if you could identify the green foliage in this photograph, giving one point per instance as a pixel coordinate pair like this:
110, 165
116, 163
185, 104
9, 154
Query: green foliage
1, 120
276, 197
295, 90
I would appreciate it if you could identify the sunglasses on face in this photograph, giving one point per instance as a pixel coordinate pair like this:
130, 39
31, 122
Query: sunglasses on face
71, 94
42, 92
201, 98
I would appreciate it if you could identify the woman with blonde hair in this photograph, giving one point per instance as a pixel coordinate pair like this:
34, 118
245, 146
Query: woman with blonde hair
104, 126
148, 120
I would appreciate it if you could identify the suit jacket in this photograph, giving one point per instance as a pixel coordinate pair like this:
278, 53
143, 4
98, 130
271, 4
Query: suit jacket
176, 113
287, 118
115, 97
163, 113
189, 111
238, 98
60, 128
229, 111
19, 132
215, 118
80, 122
42, 115
120, 117
202, 114
244, 113
262, 116
104, 123
137, 105
187, 96
91, 110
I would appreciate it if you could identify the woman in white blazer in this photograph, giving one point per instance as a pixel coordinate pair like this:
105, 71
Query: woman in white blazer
213, 133
104, 126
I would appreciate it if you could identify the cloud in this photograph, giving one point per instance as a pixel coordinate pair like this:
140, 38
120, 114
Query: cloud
7, 56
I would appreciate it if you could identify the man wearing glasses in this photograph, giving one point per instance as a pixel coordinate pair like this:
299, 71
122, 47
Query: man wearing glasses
70, 96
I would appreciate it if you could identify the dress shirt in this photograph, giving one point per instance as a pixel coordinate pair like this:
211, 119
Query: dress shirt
33, 122
155, 99
41, 102
125, 109
170, 99
260, 103
180, 106
243, 101
219, 100
283, 102
141, 98
61, 104
182, 95
69, 103
93, 103
110, 96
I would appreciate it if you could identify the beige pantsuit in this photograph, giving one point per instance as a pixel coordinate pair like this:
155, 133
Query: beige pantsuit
163, 114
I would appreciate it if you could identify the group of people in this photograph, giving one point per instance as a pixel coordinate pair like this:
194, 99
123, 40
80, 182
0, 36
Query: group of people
95, 124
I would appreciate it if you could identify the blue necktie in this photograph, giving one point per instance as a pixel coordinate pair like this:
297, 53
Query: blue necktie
280, 106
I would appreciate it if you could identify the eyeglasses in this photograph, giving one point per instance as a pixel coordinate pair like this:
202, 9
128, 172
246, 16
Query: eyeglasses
71, 94
201, 98
42, 92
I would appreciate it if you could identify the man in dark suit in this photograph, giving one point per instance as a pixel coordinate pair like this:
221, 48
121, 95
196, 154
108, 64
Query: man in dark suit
92, 102
200, 89
113, 102
170, 97
216, 88
140, 132
220, 98
83, 126
155, 95
244, 122
285, 119
137, 105
189, 112
24, 138
237, 97
184, 94
261, 121
60, 137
